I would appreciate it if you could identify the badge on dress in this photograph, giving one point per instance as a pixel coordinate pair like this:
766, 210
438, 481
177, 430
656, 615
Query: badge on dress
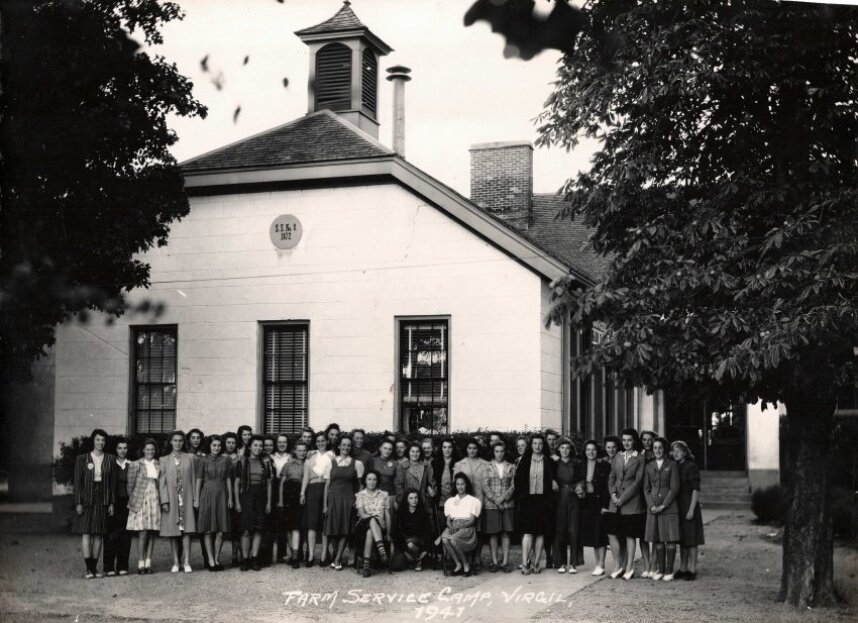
90, 466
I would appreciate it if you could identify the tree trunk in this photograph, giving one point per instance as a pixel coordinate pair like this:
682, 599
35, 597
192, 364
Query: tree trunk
808, 547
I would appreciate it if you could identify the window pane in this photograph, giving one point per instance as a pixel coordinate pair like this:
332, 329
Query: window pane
423, 382
154, 386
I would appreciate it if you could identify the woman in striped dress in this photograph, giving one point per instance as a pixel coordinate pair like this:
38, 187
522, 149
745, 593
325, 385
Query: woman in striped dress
144, 504
94, 494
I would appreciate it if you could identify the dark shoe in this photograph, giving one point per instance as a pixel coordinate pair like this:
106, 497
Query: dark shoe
689, 577
467, 573
218, 567
245, 565
679, 575
294, 564
254, 564
309, 563
493, 568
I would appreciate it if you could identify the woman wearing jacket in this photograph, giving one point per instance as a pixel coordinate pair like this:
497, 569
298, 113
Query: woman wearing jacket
595, 498
690, 519
94, 496
498, 508
661, 486
117, 545
415, 474
177, 486
625, 485
534, 486
144, 504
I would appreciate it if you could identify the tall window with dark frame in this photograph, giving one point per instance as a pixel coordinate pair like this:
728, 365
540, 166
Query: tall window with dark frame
424, 383
284, 378
154, 379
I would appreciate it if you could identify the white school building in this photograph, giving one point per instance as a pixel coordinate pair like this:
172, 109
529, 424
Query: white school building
322, 277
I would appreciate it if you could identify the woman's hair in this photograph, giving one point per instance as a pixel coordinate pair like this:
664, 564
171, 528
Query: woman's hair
340, 439
285, 436
469, 488
177, 433
411, 490
472, 441
681, 444
323, 436
241, 429
229, 435
386, 441
664, 443
192, 431
374, 473
219, 439
258, 438
414, 444
98, 431
615, 439
308, 429
595, 445
636, 443
530, 443
332, 426
149, 442
300, 443
649, 432
565, 441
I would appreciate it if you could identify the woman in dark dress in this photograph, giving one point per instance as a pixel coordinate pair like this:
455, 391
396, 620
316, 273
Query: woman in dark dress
661, 488
313, 498
291, 477
414, 531
386, 466
214, 492
534, 484
117, 547
342, 482
647, 549
594, 504
568, 553
94, 496
690, 517
253, 482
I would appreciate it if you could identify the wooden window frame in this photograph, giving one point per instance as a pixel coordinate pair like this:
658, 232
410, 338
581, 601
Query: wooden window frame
262, 383
398, 423
134, 386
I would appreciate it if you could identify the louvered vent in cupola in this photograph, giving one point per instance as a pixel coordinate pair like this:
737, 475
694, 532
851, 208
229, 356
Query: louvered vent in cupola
333, 77
369, 96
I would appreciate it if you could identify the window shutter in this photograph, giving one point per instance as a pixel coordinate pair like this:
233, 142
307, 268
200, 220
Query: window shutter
285, 378
333, 86
370, 80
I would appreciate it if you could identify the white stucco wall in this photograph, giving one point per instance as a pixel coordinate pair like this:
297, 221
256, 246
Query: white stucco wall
551, 367
763, 444
368, 254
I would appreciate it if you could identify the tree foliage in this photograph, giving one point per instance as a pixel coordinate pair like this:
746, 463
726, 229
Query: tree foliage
724, 192
88, 179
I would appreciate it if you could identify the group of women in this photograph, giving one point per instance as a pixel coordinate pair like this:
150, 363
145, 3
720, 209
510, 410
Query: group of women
267, 494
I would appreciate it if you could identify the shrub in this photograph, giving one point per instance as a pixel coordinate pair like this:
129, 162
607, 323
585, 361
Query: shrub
770, 504
844, 513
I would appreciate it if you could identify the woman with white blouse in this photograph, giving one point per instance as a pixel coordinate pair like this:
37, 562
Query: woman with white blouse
462, 512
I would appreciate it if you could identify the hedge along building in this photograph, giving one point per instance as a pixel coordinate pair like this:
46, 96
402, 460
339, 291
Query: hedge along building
322, 277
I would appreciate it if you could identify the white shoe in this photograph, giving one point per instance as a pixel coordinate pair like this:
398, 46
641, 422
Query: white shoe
668, 577
598, 571
645, 574
629, 575
188, 569
617, 573
572, 570
174, 569
561, 569
655, 576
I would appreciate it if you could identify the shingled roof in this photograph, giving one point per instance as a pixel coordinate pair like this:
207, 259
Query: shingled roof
343, 20
318, 137
563, 237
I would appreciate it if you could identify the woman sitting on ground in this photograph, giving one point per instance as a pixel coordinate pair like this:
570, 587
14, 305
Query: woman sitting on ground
462, 512
413, 529
373, 509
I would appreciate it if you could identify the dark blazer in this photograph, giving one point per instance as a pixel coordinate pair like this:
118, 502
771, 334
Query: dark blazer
522, 477
626, 481
601, 474
84, 481
437, 471
661, 486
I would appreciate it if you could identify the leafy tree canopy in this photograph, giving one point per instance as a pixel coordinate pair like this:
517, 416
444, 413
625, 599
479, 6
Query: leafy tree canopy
724, 191
88, 179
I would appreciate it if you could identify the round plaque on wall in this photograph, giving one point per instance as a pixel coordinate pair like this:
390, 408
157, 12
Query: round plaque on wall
286, 231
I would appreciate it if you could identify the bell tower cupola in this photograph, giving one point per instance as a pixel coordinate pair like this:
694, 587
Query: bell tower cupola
344, 68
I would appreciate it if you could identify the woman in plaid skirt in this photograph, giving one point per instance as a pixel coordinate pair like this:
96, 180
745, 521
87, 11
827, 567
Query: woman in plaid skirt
94, 496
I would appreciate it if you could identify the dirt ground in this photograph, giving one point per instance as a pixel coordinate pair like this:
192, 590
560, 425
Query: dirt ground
41, 581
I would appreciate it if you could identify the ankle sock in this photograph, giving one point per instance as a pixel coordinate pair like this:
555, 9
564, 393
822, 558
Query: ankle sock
382, 553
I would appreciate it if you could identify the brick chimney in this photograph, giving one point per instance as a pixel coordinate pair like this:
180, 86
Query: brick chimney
502, 180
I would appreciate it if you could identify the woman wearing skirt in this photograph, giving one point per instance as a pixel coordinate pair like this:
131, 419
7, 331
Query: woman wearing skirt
594, 504
625, 484
534, 485
661, 486
498, 490
291, 478
144, 504
178, 486
313, 498
462, 512
341, 485
214, 492
690, 518
254, 500
94, 495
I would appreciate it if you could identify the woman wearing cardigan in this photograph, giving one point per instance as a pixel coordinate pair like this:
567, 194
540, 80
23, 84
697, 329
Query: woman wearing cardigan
534, 486
144, 504
94, 496
177, 485
625, 485
661, 486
